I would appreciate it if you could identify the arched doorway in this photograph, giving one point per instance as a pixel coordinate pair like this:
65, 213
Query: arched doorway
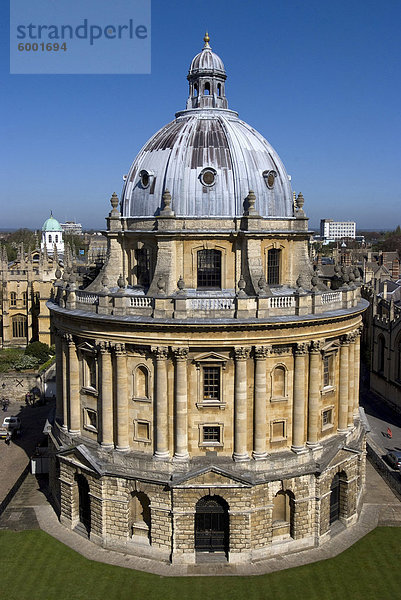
140, 519
335, 499
211, 525
84, 502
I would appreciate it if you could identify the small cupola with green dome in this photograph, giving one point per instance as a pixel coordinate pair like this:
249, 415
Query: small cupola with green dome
52, 236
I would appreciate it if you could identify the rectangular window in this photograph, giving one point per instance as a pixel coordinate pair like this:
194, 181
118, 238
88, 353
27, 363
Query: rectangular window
327, 417
209, 269
273, 267
24, 298
278, 430
90, 419
211, 435
142, 431
211, 383
142, 257
13, 299
326, 371
19, 326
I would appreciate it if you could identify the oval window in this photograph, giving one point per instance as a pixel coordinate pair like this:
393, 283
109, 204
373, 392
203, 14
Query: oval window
269, 177
145, 178
208, 177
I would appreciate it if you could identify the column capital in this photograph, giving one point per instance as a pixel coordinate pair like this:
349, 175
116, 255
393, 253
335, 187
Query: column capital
180, 353
119, 349
262, 352
160, 352
102, 346
241, 352
69, 339
315, 346
346, 339
301, 349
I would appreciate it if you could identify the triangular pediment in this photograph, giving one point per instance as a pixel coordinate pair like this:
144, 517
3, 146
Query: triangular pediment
87, 347
81, 457
210, 357
211, 477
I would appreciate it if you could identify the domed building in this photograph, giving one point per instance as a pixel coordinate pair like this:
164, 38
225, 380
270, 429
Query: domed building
207, 381
52, 236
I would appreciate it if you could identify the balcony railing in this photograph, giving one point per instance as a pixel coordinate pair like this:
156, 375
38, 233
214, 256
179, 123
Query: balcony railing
180, 306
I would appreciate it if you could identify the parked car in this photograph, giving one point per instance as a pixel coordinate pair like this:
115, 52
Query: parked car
394, 459
11, 425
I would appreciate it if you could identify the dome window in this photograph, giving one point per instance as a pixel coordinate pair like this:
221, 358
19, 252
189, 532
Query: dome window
208, 177
145, 178
269, 177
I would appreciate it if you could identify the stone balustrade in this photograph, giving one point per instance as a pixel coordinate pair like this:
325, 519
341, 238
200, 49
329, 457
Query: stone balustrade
215, 306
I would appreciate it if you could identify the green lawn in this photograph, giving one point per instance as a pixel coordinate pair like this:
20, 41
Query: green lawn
37, 567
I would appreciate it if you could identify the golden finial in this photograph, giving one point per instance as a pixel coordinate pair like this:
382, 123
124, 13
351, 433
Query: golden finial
206, 39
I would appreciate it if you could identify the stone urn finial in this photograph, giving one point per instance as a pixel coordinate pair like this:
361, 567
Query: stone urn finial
250, 204
161, 286
114, 203
58, 273
167, 210
314, 281
299, 202
299, 284
241, 286
120, 282
181, 286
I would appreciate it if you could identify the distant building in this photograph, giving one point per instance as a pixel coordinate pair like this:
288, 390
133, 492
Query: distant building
337, 230
52, 236
70, 227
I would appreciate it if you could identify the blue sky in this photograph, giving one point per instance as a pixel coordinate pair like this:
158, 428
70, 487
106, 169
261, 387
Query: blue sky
320, 80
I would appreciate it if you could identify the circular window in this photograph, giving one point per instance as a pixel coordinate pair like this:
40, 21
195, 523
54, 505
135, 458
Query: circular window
145, 178
208, 177
269, 177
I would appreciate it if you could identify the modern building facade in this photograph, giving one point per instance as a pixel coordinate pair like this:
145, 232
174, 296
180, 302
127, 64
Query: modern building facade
207, 382
337, 230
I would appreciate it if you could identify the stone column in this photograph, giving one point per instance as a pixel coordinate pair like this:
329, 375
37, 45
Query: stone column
59, 376
343, 386
122, 399
259, 415
181, 404
314, 393
161, 403
299, 402
73, 380
106, 396
240, 404
357, 366
64, 356
351, 379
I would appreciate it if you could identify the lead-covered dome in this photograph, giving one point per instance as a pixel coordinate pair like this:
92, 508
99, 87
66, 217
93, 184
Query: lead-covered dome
207, 158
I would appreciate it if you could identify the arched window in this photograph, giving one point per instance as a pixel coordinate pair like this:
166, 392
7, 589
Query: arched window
56, 240
207, 89
13, 299
209, 269
141, 382
84, 508
283, 509
139, 515
50, 239
273, 266
279, 382
196, 89
219, 89
380, 353
19, 326
212, 525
